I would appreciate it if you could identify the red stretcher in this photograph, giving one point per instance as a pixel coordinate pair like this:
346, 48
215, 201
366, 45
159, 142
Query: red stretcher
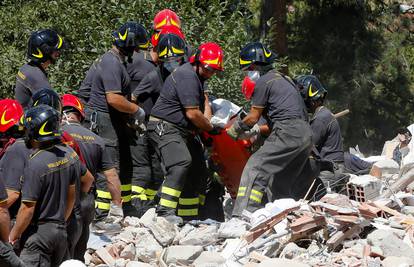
230, 157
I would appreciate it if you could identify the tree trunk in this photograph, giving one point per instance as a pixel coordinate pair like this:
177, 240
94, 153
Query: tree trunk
275, 9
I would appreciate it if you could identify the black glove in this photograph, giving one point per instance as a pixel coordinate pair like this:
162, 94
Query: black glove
215, 131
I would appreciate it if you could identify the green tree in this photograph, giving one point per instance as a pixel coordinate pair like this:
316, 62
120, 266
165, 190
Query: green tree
87, 26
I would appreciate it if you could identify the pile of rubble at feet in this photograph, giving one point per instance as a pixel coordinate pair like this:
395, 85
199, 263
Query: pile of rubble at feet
370, 226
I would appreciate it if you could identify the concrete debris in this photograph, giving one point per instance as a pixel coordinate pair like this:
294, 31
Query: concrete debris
373, 226
390, 244
182, 254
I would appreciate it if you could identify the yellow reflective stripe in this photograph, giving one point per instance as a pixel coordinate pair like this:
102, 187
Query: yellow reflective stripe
168, 203
202, 199
125, 187
102, 205
241, 194
137, 189
242, 191
150, 192
150, 197
256, 199
257, 193
141, 196
170, 191
126, 198
103, 194
187, 212
189, 201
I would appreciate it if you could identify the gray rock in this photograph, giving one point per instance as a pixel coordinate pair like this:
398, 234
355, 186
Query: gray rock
127, 235
146, 246
148, 217
138, 264
163, 231
390, 244
234, 228
183, 232
409, 210
209, 259
120, 263
281, 263
292, 251
393, 261
387, 166
182, 254
128, 252
131, 221
203, 235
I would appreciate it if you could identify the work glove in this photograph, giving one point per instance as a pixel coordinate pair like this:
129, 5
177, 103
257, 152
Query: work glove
139, 116
254, 131
215, 131
116, 212
237, 129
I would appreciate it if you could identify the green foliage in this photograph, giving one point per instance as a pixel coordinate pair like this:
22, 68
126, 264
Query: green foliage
87, 26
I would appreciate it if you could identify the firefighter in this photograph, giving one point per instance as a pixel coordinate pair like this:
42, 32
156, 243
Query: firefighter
326, 133
97, 160
171, 52
141, 64
7, 255
49, 177
43, 49
176, 115
74, 228
14, 153
271, 171
114, 117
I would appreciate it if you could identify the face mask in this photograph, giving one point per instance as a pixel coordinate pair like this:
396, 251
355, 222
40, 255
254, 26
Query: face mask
171, 65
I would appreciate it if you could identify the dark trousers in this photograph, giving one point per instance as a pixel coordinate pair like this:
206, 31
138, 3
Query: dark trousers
46, 246
121, 142
8, 257
271, 172
74, 231
335, 179
87, 214
148, 175
181, 154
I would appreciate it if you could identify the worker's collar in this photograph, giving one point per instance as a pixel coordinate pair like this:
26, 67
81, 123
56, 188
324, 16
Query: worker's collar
317, 111
118, 54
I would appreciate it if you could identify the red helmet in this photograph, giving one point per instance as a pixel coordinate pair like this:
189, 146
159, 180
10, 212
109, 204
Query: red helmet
210, 55
166, 30
248, 87
10, 113
71, 101
166, 17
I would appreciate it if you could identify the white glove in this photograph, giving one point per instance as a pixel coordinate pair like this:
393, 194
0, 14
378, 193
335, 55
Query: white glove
254, 131
116, 211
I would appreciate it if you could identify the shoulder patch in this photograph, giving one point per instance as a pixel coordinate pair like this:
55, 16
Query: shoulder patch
21, 75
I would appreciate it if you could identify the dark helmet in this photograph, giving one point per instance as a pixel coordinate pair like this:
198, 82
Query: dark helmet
42, 44
170, 46
310, 88
130, 36
47, 97
42, 124
255, 53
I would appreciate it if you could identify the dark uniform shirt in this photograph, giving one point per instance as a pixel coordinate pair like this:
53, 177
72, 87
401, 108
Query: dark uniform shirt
279, 98
84, 91
326, 135
182, 89
149, 90
92, 147
3, 193
46, 180
111, 76
12, 164
30, 79
140, 66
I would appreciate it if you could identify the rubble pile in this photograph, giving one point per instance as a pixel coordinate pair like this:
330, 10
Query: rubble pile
370, 226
